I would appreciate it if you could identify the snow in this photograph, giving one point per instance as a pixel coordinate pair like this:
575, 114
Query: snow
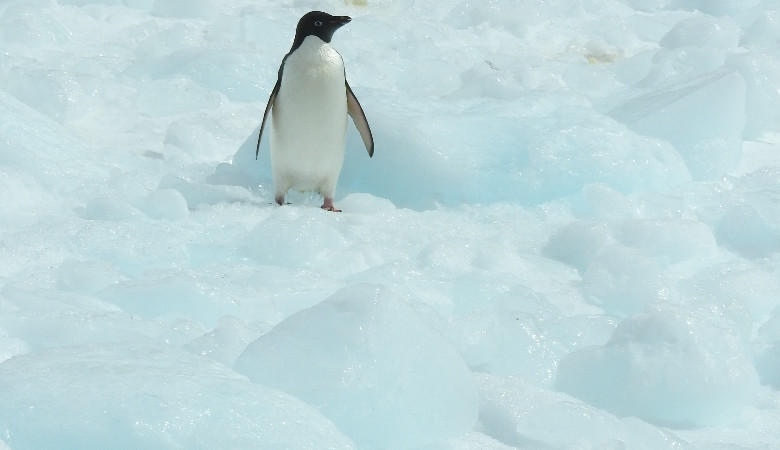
366, 360
135, 395
568, 237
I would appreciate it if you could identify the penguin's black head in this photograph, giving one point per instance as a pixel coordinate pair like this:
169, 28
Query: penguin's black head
320, 24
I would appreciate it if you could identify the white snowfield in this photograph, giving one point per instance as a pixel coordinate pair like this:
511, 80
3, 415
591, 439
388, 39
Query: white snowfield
568, 236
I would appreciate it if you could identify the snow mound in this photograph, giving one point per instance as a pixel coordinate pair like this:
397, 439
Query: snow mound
369, 364
152, 397
665, 367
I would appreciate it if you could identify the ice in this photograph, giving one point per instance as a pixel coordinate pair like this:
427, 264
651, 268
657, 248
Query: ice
578, 243
768, 366
763, 32
166, 204
10, 347
136, 395
710, 144
761, 77
568, 236
33, 26
370, 365
717, 7
663, 367
192, 9
519, 413
668, 240
697, 32
624, 280
752, 291
748, 232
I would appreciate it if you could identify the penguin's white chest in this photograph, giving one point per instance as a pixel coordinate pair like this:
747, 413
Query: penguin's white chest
309, 120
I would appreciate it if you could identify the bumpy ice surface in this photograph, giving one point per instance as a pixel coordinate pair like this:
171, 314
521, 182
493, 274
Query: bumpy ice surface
568, 238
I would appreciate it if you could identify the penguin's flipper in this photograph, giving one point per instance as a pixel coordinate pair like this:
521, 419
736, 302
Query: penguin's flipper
268, 107
356, 112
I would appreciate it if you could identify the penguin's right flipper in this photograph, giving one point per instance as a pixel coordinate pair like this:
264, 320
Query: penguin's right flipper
268, 107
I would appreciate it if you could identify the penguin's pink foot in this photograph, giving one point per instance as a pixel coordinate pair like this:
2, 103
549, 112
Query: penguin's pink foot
328, 205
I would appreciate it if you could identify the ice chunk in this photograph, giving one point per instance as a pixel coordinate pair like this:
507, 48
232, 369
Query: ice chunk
87, 277
578, 147
199, 136
410, 153
107, 208
161, 42
168, 97
144, 5
634, 68
755, 288
649, 5
669, 240
249, 166
369, 364
768, 366
32, 25
605, 202
293, 238
11, 346
748, 232
53, 319
764, 33
91, 2
166, 204
716, 7
169, 294
625, 280
668, 367
226, 342
152, 397
47, 90
484, 79
472, 441
578, 243
199, 193
678, 63
703, 116
194, 9
231, 73
27, 151
519, 413
505, 342
366, 203
762, 78
748, 222
703, 31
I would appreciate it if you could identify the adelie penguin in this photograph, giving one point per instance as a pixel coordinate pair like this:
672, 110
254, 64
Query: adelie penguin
309, 106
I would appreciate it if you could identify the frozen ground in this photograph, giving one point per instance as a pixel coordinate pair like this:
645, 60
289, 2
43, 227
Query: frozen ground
568, 238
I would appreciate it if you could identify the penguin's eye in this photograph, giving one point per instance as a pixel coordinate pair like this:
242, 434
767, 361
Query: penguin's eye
318, 23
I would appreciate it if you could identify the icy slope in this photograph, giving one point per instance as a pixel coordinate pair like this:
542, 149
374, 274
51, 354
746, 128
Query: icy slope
568, 237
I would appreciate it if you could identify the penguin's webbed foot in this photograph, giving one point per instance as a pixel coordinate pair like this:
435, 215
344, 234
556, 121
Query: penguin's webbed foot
328, 205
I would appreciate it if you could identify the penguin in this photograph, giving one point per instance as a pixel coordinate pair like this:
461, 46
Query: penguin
309, 106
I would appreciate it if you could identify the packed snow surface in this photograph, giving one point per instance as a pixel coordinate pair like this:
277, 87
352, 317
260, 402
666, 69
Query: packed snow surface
568, 237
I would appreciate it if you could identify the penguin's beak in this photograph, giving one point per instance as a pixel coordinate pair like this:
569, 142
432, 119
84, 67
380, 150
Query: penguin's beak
340, 20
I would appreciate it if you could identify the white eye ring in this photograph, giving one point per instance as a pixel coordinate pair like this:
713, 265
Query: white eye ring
318, 23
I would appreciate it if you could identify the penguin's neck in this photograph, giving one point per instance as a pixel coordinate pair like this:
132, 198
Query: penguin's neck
300, 37
316, 58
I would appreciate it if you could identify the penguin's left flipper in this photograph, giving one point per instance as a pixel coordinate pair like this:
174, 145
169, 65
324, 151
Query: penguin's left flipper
268, 107
356, 112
